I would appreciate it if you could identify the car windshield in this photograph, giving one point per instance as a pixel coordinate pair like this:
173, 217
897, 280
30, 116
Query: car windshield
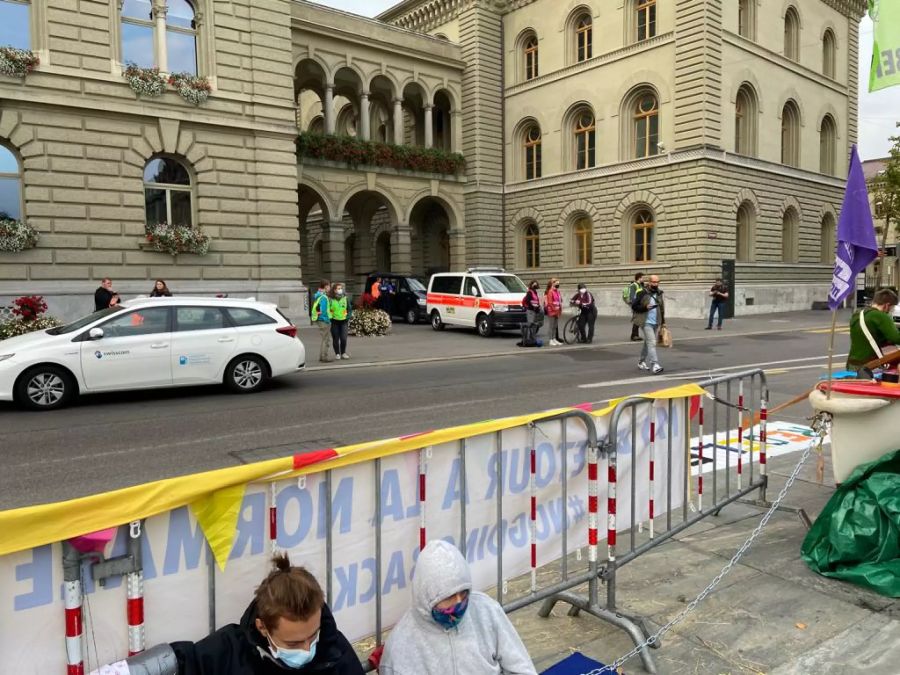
85, 321
502, 283
415, 284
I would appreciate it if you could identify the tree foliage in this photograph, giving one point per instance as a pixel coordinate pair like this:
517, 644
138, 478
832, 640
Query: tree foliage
885, 191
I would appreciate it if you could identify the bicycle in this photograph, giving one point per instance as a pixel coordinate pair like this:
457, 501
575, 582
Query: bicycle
570, 331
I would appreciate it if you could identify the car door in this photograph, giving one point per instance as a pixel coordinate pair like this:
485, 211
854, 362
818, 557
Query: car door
469, 305
133, 353
203, 342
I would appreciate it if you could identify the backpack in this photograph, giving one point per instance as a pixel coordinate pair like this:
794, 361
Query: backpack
626, 294
638, 306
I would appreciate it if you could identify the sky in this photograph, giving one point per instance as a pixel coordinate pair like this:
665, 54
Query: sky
876, 123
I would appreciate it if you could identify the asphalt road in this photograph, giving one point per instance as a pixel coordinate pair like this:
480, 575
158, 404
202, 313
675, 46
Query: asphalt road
111, 441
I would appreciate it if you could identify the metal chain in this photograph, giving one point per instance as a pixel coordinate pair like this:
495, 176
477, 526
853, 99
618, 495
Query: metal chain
653, 639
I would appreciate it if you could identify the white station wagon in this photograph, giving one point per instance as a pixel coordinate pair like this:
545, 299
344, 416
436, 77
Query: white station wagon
151, 343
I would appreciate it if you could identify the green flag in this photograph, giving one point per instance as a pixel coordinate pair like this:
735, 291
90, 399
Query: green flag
885, 70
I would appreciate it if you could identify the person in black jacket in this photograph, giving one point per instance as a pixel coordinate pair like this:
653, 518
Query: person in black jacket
105, 296
287, 628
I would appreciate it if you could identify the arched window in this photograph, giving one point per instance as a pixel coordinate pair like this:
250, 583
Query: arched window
745, 118
584, 38
789, 236
532, 245
790, 134
532, 147
532, 69
583, 235
646, 125
827, 143
15, 24
585, 139
168, 195
178, 42
137, 30
744, 233
10, 185
646, 19
792, 34
747, 19
829, 245
642, 230
181, 37
828, 49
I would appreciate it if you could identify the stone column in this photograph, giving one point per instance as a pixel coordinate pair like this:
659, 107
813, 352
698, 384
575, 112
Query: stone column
364, 121
429, 125
398, 121
456, 120
329, 107
162, 58
457, 237
401, 249
333, 250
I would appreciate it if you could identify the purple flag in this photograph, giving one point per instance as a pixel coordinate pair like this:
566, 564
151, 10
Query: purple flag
856, 245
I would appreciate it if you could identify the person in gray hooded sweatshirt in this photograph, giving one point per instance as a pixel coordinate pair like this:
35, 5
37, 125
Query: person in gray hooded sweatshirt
451, 629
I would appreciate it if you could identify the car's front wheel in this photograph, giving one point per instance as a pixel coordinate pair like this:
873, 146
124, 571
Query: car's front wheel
246, 374
412, 316
485, 325
436, 322
45, 388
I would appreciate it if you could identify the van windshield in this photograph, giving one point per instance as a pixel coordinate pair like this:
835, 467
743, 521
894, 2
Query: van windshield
415, 284
85, 321
502, 283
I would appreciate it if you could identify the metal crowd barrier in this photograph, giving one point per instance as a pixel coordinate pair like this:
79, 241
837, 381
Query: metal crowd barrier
733, 402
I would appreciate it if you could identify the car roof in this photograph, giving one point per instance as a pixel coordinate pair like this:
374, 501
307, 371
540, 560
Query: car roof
200, 300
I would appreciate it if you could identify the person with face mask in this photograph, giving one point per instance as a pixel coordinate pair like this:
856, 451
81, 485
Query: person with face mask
534, 315
339, 315
287, 628
450, 628
587, 317
553, 309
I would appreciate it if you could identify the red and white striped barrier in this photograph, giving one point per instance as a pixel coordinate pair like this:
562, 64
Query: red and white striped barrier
651, 504
533, 525
700, 457
423, 537
740, 436
763, 434
74, 627
273, 517
135, 590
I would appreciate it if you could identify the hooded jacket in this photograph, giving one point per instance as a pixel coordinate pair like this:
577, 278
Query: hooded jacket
242, 650
484, 642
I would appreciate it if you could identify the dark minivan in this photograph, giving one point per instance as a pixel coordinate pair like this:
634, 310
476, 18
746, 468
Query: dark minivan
407, 300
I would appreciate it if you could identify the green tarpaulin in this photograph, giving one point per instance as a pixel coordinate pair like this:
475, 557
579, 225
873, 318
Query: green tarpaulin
856, 538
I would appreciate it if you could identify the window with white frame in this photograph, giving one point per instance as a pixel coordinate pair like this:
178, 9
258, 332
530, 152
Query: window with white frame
10, 185
168, 192
15, 24
164, 37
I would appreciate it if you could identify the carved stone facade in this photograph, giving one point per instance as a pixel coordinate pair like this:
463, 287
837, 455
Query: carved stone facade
677, 133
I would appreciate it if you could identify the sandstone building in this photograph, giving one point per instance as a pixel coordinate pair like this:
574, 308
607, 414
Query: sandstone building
599, 139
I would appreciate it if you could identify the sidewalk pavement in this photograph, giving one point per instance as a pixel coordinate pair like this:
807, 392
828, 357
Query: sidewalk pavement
420, 343
771, 614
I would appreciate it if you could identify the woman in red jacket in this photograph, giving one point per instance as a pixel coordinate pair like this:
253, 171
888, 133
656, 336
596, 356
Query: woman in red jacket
553, 308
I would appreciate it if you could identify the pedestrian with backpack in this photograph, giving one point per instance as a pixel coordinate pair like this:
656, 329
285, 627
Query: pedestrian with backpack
320, 319
553, 310
629, 293
649, 316
534, 315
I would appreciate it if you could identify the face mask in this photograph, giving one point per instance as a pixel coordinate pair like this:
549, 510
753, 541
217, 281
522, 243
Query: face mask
450, 617
339, 291
581, 289
293, 658
534, 287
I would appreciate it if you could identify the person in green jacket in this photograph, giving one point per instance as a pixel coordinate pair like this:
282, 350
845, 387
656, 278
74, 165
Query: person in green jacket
339, 314
872, 330
320, 320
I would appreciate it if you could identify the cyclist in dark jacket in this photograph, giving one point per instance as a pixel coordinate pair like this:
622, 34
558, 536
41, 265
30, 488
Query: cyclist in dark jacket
287, 628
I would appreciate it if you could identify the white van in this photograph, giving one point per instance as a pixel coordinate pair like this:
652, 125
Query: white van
485, 298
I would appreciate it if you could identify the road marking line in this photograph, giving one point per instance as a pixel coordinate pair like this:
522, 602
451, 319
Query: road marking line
709, 373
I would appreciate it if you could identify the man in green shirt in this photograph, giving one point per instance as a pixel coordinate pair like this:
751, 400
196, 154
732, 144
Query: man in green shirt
872, 330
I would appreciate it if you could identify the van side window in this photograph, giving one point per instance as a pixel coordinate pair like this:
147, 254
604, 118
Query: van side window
449, 285
471, 287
